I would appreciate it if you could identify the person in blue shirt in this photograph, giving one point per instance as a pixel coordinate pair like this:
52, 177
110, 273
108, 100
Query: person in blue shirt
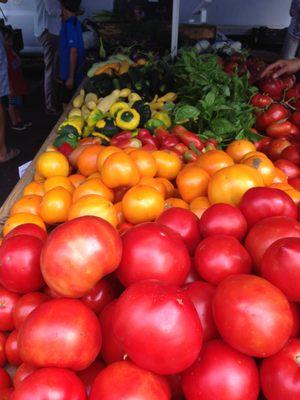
71, 50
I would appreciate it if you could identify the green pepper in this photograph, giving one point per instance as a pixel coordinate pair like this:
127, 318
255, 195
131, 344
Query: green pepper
153, 123
106, 127
144, 110
128, 119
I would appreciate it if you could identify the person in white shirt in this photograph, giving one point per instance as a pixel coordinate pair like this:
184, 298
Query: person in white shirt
47, 25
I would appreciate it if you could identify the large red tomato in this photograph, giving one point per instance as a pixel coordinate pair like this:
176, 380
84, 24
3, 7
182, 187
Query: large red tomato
201, 294
98, 297
266, 232
252, 315
5, 380
111, 350
296, 318
272, 87
276, 147
281, 266
7, 303
22, 373
30, 230
124, 380
290, 169
291, 153
223, 219
20, 269
153, 251
280, 374
88, 376
60, 333
6, 393
262, 202
78, 254
50, 383
158, 327
25, 305
11, 349
221, 373
2, 349
276, 112
220, 256
185, 223
295, 183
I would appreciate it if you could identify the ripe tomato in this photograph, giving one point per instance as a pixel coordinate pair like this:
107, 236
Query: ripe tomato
281, 129
5, 380
263, 144
183, 222
213, 161
292, 153
8, 301
11, 349
281, 266
71, 247
279, 374
295, 183
27, 204
296, 319
88, 375
25, 305
93, 186
264, 166
223, 219
201, 294
170, 319
168, 164
266, 232
99, 296
276, 147
87, 159
2, 350
124, 380
20, 219
63, 333
219, 256
276, 112
221, 373
22, 373
259, 203
239, 148
295, 118
20, 264
252, 315
120, 170
289, 168
260, 100
293, 93
153, 251
192, 182
30, 230
51, 383
145, 162
272, 87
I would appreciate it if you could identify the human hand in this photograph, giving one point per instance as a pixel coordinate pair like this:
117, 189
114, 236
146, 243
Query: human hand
282, 67
70, 83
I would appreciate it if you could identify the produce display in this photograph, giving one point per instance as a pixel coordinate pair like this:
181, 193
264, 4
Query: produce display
155, 254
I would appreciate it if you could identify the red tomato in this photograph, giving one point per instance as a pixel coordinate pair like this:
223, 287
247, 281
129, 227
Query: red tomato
293, 93
289, 168
50, 383
220, 256
111, 350
252, 315
282, 129
221, 373
74, 245
260, 100
295, 118
262, 202
266, 232
7, 302
276, 112
185, 223
6, 393
192, 276
296, 318
124, 227
30, 230
20, 264
88, 376
22, 373
288, 81
280, 374
223, 219
281, 266
158, 327
276, 147
62, 333
51, 293
98, 297
291, 153
263, 144
11, 349
295, 182
5, 380
25, 305
153, 251
201, 295
2, 350
124, 380
272, 87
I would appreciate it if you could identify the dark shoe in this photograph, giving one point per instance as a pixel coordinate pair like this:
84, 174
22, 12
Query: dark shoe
20, 127
10, 155
28, 124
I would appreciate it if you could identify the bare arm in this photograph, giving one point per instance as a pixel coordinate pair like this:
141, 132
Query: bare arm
72, 71
282, 67
53, 8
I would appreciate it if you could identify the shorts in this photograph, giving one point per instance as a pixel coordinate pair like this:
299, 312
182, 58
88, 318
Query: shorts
65, 94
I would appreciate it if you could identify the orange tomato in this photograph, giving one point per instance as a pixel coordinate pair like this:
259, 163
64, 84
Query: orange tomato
55, 205
94, 205
253, 154
52, 163
38, 178
87, 160
129, 150
119, 211
27, 204
264, 166
104, 154
168, 164
156, 184
142, 204
76, 179
294, 195
93, 186
119, 170
73, 157
58, 181
199, 205
94, 175
192, 182
174, 202
170, 190
34, 188
279, 176
214, 160
22, 218
145, 162
229, 184
239, 148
